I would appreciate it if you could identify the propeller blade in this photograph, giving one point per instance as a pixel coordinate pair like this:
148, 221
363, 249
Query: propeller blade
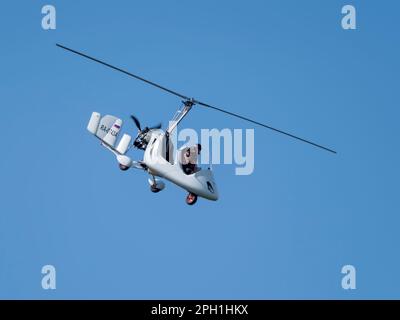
159, 126
137, 122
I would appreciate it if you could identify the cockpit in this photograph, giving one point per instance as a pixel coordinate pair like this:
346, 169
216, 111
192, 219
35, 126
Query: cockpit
188, 159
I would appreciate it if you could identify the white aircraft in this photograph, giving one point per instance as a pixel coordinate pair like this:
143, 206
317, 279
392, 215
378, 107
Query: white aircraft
161, 160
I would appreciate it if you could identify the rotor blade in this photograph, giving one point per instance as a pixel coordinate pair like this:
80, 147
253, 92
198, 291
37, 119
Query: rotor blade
266, 126
192, 100
123, 71
137, 122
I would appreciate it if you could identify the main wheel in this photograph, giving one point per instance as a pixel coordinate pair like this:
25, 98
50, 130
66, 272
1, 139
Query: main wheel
191, 199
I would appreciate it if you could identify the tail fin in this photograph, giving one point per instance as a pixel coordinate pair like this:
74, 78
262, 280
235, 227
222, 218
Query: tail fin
113, 132
94, 122
124, 143
105, 128
105, 125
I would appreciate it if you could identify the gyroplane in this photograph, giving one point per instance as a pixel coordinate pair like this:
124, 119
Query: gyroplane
161, 159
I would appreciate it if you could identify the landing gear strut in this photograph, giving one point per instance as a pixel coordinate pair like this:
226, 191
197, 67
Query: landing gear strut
191, 199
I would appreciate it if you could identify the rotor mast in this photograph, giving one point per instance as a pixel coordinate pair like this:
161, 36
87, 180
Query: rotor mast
180, 115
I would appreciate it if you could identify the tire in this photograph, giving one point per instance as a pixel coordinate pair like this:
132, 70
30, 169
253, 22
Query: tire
191, 199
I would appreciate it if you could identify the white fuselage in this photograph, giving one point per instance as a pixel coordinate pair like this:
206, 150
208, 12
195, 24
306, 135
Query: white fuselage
201, 183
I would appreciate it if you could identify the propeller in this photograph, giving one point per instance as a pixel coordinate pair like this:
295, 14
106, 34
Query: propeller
141, 141
137, 123
193, 102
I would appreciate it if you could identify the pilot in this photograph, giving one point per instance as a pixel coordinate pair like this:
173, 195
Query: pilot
189, 159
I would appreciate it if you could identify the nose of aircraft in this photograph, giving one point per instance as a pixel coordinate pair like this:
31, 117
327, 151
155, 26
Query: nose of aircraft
213, 191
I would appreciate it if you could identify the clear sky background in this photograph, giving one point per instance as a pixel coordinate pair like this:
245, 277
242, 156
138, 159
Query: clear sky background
283, 232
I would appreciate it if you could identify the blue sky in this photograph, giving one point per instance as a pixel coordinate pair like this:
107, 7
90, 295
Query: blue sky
283, 232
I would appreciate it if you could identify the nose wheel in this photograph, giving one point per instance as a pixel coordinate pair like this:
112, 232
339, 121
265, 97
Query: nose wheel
191, 199
154, 189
